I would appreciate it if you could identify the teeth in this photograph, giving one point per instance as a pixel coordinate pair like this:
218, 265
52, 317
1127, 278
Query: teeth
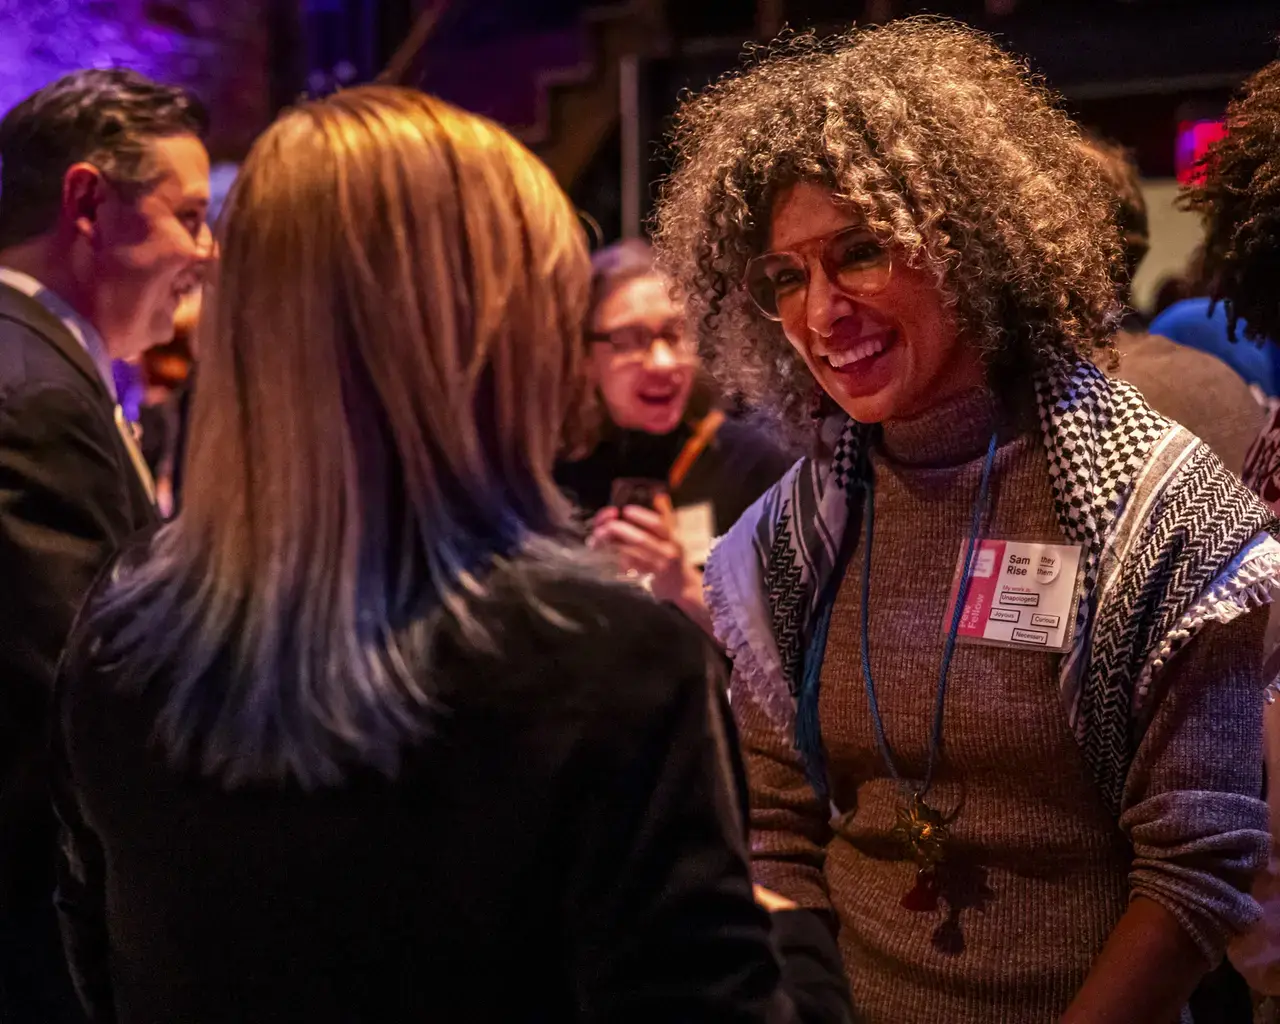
864, 350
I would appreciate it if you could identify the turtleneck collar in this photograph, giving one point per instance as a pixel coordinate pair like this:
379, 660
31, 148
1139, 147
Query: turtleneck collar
952, 433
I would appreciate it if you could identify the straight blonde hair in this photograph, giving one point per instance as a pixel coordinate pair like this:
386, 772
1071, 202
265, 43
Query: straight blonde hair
393, 343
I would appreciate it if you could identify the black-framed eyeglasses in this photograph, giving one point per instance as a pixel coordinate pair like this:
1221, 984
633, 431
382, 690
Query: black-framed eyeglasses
635, 341
852, 258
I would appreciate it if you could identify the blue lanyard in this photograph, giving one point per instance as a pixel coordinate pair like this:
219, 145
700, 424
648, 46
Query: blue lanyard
944, 670
808, 731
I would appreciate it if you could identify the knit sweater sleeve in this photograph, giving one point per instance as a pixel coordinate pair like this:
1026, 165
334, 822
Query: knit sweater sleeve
789, 826
1192, 806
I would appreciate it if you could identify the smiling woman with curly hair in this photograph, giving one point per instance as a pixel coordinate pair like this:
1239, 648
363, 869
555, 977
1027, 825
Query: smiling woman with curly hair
966, 178
1015, 803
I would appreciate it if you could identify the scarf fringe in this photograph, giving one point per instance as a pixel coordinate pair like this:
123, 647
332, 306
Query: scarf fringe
767, 688
1249, 586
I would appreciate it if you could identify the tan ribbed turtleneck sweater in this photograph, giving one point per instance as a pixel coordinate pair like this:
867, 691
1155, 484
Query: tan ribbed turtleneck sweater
1039, 872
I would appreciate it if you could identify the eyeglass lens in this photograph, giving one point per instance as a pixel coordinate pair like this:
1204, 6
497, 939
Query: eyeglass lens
852, 259
638, 339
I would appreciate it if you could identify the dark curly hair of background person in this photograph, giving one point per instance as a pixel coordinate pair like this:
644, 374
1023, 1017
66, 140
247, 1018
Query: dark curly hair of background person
953, 155
1239, 196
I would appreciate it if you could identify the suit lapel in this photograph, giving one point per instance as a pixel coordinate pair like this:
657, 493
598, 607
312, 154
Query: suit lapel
23, 309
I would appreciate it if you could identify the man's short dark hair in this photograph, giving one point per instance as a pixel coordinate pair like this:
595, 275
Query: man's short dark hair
103, 117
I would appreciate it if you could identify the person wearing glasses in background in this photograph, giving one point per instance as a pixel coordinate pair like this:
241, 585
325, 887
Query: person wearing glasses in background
659, 466
997, 643
1194, 388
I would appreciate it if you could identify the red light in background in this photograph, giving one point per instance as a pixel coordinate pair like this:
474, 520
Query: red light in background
1194, 140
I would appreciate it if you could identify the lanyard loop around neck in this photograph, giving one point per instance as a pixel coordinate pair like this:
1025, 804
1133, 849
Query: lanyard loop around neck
808, 733
944, 669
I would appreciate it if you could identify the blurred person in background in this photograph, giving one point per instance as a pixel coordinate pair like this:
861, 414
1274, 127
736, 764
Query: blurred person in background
1188, 386
1175, 287
661, 468
1185, 313
103, 192
895, 226
166, 373
178, 413
362, 727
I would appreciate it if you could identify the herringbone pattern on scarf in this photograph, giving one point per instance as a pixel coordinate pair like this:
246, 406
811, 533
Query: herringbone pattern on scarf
790, 574
788, 601
1197, 525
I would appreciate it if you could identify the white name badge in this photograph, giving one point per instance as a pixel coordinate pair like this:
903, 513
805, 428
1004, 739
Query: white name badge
695, 528
1020, 595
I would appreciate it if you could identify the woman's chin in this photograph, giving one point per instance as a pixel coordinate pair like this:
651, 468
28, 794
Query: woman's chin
662, 424
869, 390
652, 418
873, 407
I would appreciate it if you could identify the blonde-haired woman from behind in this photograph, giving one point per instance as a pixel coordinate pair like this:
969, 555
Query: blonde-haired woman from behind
358, 736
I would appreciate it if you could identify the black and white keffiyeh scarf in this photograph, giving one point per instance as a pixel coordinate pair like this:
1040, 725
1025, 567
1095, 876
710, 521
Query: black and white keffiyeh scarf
1171, 541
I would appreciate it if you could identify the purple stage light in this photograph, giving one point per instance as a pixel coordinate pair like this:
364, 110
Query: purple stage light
217, 48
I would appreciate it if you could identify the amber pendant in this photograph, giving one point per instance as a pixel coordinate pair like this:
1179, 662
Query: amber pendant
923, 831
923, 896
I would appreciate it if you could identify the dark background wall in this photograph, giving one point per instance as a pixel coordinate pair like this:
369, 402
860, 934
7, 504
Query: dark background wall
220, 48
1133, 69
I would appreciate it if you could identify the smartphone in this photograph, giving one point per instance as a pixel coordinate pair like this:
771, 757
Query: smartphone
633, 490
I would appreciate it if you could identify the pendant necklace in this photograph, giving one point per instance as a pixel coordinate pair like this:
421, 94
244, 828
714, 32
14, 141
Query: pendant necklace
921, 828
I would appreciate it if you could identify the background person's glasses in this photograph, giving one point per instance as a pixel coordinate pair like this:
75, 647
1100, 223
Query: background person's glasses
634, 341
778, 282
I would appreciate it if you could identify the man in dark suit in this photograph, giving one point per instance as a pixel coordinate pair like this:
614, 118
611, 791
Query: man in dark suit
103, 195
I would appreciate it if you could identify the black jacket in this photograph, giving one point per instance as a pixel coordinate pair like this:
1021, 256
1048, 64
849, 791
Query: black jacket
566, 843
69, 497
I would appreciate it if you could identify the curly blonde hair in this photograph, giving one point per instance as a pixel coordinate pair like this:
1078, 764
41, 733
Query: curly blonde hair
956, 159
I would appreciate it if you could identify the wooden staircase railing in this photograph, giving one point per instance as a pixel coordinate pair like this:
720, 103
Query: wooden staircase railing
582, 115
566, 80
410, 51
